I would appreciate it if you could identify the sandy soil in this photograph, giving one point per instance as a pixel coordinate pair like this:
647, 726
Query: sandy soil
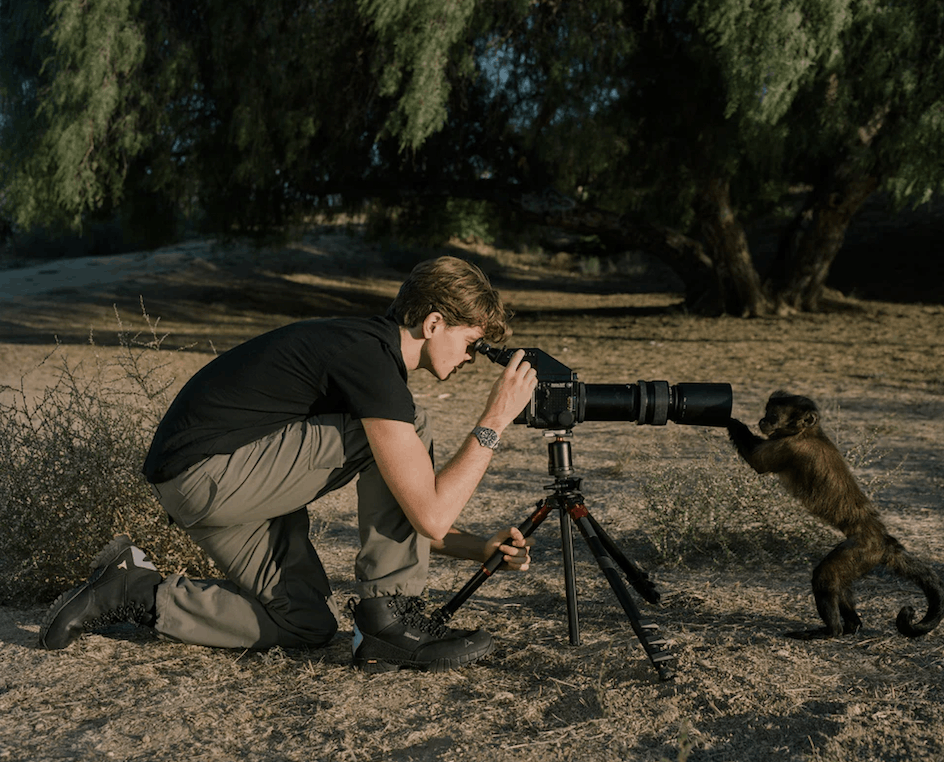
742, 692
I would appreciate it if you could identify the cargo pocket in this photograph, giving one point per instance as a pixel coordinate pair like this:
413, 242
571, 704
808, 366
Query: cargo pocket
324, 436
189, 500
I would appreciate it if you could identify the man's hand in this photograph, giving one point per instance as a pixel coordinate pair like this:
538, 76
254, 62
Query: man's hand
461, 544
510, 393
515, 547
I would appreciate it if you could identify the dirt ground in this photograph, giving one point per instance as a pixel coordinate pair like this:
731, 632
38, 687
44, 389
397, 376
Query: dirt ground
742, 691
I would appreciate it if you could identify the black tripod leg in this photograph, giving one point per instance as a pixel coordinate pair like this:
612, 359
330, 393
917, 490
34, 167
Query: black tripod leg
570, 578
527, 528
638, 578
656, 647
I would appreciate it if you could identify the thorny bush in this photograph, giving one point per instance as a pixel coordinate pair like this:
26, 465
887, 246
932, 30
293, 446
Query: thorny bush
70, 469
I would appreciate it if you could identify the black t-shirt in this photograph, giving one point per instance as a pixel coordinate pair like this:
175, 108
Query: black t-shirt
342, 365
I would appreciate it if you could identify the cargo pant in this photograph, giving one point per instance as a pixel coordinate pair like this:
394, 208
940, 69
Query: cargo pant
248, 512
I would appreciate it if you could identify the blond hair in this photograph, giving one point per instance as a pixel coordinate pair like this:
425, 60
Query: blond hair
456, 289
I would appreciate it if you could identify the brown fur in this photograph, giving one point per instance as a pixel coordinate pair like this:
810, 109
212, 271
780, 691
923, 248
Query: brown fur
814, 471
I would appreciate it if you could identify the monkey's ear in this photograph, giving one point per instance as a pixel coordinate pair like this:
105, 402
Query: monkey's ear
810, 419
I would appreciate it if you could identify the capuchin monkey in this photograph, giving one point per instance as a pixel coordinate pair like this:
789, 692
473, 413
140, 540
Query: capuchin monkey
813, 470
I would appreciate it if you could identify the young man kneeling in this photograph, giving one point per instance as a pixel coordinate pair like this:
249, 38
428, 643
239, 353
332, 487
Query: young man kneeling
285, 418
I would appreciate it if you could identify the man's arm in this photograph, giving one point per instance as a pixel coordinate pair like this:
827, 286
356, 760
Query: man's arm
432, 502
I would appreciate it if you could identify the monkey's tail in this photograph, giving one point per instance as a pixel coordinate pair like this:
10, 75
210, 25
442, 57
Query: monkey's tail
898, 560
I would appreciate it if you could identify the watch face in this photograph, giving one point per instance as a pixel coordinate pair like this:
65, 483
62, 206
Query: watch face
486, 437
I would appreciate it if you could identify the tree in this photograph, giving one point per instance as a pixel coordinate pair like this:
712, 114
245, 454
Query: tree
230, 108
742, 108
669, 125
880, 112
72, 131
672, 126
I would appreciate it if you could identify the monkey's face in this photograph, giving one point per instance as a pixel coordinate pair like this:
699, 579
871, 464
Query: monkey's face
772, 421
787, 416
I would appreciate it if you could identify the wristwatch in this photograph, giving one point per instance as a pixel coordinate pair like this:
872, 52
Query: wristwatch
487, 437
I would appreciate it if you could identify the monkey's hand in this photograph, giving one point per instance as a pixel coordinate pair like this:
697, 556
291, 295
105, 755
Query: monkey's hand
743, 438
761, 454
739, 434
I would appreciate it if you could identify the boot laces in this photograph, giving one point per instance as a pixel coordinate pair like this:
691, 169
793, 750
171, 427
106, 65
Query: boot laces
135, 613
411, 612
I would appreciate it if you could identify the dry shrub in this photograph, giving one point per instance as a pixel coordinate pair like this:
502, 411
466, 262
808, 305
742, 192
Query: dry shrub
70, 462
715, 508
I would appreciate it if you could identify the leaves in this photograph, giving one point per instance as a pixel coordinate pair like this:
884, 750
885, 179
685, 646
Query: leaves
91, 134
423, 37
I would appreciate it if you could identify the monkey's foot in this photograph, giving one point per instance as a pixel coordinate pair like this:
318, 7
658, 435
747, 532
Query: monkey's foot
851, 628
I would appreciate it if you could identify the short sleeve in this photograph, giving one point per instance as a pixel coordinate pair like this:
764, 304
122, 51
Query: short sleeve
372, 382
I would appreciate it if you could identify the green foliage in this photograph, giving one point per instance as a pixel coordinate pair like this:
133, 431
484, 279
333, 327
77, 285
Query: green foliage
245, 116
767, 52
423, 37
89, 132
232, 114
70, 462
434, 223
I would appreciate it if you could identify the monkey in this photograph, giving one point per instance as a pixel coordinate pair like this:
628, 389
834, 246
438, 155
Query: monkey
813, 470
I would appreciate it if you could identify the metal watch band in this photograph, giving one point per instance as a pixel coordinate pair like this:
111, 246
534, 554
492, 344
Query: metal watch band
487, 437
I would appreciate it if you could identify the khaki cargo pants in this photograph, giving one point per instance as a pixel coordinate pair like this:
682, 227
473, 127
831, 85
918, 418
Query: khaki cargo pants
248, 512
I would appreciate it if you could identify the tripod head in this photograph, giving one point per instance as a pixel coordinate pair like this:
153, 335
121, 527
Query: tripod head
560, 463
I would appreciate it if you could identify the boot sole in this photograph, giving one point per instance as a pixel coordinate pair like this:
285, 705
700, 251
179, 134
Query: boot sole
378, 666
108, 554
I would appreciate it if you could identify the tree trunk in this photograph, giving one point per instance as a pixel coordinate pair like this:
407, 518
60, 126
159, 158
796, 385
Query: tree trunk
813, 240
738, 282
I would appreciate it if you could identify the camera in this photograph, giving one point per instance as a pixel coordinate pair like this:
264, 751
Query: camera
560, 401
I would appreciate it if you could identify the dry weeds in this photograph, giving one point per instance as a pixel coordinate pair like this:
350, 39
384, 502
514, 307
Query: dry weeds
742, 691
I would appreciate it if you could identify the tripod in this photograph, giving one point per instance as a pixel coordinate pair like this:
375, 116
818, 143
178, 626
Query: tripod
566, 498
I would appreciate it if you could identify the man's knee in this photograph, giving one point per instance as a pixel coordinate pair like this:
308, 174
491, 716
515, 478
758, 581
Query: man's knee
319, 636
301, 628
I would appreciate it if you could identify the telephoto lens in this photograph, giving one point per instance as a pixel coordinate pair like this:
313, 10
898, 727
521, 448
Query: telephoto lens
656, 402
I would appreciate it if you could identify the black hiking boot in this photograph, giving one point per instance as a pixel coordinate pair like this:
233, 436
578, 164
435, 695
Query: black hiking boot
121, 589
391, 632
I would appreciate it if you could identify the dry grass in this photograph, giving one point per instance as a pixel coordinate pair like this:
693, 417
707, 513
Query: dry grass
742, 691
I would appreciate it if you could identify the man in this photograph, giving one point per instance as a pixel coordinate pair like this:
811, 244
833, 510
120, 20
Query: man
285, 418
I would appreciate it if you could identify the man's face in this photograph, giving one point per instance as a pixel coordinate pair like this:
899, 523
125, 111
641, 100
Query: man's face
449, 348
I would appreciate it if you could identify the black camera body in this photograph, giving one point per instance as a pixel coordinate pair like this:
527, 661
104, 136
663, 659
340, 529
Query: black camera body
560, 401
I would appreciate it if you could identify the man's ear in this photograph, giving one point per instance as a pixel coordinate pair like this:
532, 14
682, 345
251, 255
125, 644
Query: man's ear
431, 323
